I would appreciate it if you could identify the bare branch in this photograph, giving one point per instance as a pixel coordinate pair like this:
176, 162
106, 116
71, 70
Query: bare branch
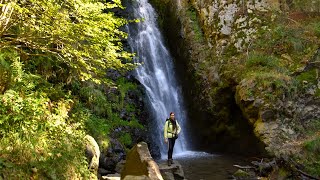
5, 16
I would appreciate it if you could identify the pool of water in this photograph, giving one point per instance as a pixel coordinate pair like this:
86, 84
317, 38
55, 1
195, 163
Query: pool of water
205, 166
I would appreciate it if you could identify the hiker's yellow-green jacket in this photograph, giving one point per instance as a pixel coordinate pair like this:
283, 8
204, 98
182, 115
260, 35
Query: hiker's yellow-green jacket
168, 129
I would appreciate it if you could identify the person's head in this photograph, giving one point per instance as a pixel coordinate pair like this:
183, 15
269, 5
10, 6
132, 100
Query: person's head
172, 115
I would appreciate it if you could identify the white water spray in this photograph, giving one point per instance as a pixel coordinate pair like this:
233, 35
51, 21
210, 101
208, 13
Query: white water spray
157, 74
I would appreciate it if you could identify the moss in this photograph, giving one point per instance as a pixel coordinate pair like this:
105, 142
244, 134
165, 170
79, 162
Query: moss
313, 146
262, 60
195, 24
312, 156
230, 51
308, 76
316, 28
283, 173
317, 94
258, 127
241, 174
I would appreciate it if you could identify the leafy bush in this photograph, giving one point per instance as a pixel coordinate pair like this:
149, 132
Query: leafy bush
125, 139
124, 86
95, 99
35, 134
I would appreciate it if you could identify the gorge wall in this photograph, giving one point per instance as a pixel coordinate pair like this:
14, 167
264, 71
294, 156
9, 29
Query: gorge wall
250, 70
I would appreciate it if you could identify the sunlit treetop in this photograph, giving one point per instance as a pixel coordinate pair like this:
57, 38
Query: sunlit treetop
77, 32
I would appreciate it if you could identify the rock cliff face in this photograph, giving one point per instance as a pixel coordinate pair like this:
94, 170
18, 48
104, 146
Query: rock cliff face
233, 90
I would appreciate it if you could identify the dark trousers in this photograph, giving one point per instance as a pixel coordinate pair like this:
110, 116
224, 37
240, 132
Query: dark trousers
171, 145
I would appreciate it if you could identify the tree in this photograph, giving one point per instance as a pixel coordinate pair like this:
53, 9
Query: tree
76, 32
46, 48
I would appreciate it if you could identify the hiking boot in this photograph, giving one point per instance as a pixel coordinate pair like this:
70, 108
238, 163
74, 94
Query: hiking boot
169, 162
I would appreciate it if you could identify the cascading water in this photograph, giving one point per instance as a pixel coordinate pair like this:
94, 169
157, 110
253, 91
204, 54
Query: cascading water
156, 73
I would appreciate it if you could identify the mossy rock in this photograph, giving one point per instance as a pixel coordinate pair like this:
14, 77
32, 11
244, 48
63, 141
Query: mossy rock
241, 174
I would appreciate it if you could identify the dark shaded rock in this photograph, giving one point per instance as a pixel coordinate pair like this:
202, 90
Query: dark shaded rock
103, 172
120, 166
268, 115
111, 156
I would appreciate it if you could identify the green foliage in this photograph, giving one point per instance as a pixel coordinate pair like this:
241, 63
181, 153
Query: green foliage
195, 24
77, 33
125, 139
280, 50
230, 51
268, 84
312, 160
6, 74
35, 133
124, 86
305, 5
308, 76
293, 44
95, 99
312, 127
316, 28
283, 39
53, 59
317, 94
97, 126
266, 77
261, 60
313, 146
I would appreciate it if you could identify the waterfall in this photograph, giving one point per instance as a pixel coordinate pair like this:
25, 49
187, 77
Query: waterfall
157, 74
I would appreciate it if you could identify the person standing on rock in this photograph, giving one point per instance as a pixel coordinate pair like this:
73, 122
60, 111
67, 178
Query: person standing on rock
171, 131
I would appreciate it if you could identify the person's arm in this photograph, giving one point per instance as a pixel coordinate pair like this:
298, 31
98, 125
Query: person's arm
165, 131
178, 128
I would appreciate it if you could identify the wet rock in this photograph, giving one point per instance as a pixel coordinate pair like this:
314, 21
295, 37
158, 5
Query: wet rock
172, 172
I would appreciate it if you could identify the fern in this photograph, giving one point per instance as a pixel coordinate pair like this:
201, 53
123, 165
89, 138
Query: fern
17, 71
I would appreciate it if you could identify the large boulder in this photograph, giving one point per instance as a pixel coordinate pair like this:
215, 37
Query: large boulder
140, 164
92, 153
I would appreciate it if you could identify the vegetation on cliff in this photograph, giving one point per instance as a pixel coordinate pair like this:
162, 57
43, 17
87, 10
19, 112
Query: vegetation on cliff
54, 56
279, 67
264, 57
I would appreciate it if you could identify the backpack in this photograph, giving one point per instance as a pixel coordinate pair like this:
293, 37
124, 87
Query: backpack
175, 135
